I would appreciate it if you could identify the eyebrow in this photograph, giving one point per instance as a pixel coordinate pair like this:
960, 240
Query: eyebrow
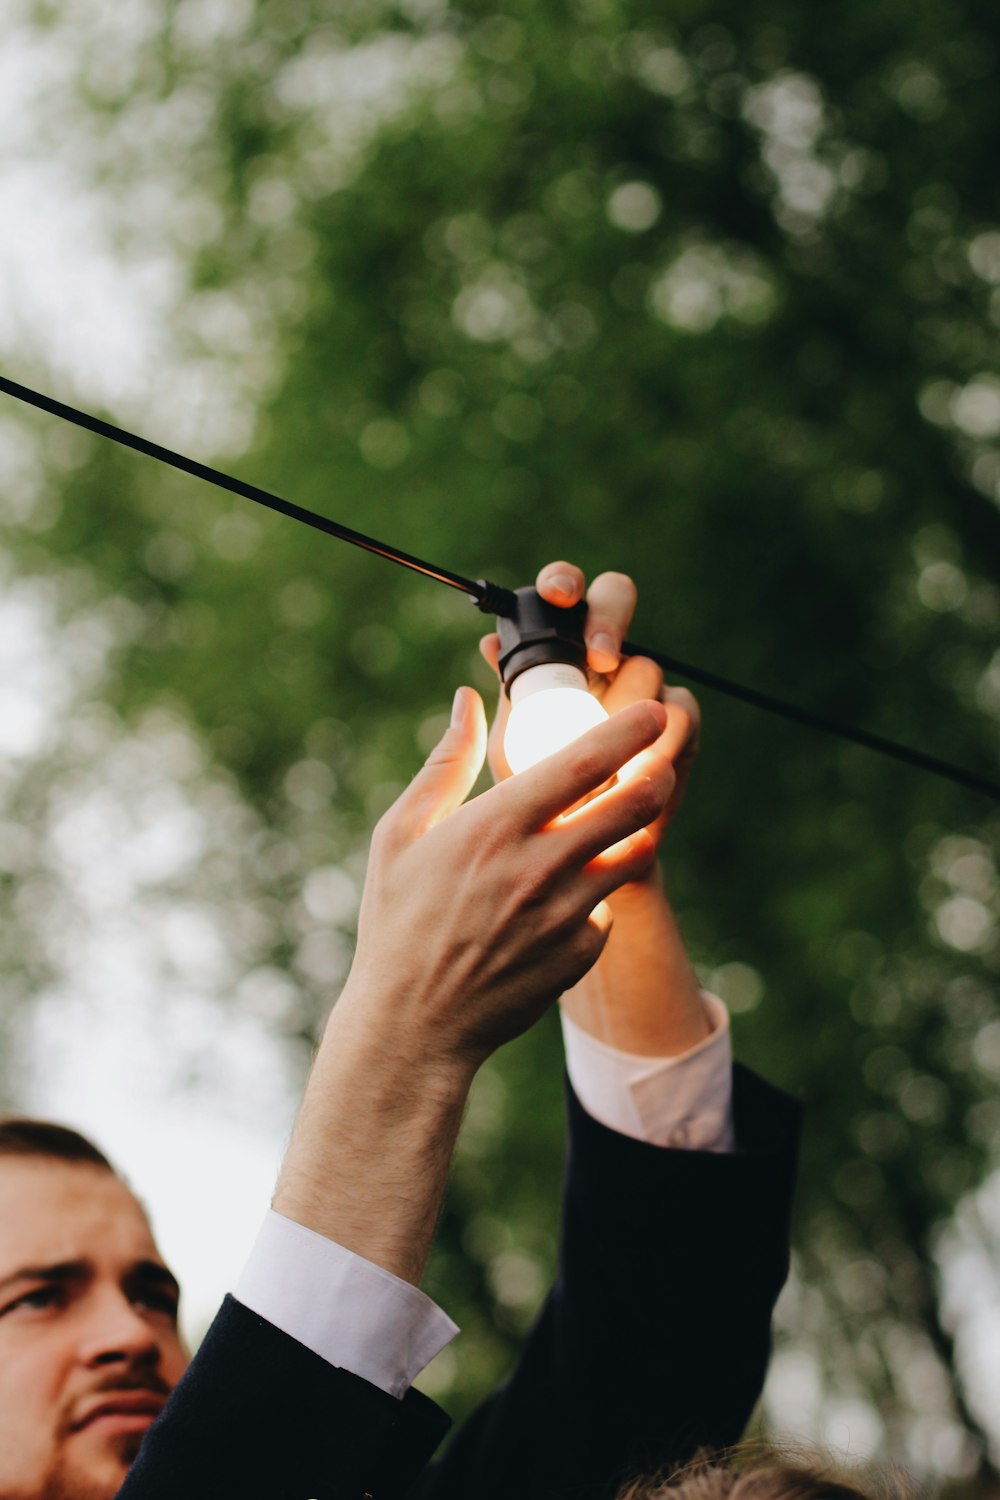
142, 1273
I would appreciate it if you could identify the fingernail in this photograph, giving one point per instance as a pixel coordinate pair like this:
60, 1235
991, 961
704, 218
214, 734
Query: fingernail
603, 643
458, 710
563, 583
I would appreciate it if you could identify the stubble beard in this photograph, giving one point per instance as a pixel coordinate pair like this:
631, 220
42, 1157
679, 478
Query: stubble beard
66, 1481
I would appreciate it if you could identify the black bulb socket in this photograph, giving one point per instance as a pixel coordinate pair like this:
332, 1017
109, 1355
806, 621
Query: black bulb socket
537, 632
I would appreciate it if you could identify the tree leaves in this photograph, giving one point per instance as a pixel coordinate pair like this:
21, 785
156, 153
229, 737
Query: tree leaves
709, 299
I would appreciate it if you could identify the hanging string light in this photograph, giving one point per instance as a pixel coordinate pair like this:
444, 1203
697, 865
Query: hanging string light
541, 646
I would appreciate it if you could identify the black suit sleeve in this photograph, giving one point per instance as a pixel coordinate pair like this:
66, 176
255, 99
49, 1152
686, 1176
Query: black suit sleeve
260, 1417
653, 1341
656, 1336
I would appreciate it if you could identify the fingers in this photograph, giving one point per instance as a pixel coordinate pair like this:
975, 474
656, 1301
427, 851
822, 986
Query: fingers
601, 919
681, 739
683, 730
561, 583
449, 773
598, 930
560, 781
629, 860
636, 678
611, 601
631, 804
489, 650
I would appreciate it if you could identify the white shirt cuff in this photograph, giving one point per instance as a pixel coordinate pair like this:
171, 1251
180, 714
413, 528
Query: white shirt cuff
350, 1312
684, 1102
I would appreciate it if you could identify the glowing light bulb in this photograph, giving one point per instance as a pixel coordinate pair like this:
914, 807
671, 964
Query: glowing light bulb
550, 707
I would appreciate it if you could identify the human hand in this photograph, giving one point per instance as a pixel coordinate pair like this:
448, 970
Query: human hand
611, 601
476, 918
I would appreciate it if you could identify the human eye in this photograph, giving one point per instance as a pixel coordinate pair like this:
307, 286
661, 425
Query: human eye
38, 1299
163, 1303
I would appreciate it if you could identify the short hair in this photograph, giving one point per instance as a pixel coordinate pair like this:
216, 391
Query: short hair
755, 1471
23, 1137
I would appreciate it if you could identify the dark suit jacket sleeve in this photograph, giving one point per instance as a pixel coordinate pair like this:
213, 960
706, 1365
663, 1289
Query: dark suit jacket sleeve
260, 1417
656, 1336
654, 1340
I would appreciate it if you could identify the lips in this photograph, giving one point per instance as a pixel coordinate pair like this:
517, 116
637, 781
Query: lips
129, 1406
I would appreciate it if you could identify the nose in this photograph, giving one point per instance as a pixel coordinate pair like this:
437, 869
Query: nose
115, 1332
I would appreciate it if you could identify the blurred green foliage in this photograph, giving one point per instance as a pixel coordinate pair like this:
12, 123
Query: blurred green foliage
705, 293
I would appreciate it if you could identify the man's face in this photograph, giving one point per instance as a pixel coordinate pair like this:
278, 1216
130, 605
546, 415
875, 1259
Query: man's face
89, 1346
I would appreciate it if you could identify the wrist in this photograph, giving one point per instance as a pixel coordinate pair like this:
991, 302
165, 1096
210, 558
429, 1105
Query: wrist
642, 996
397, 1047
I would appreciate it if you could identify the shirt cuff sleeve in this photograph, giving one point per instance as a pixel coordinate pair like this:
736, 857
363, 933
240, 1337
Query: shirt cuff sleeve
350, 1312
684, 1102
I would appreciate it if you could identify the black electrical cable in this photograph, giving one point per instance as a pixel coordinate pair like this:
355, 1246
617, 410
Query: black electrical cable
817, 721
491, 598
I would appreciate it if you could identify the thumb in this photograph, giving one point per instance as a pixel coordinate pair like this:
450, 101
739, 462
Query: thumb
449, 772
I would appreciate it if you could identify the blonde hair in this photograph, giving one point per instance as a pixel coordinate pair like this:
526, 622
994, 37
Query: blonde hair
755, 1471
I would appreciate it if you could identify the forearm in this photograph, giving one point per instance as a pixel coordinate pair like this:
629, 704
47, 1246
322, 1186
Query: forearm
372, 1145
642, 995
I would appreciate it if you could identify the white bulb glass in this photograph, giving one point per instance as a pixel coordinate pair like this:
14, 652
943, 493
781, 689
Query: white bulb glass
550, 707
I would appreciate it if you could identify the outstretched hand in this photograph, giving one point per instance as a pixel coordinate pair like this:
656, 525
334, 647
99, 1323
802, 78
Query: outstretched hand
476, 917
611, 601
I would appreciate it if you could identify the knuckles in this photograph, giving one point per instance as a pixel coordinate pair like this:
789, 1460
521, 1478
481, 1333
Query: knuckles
590, 769
563, 918
535, 889
383, 835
